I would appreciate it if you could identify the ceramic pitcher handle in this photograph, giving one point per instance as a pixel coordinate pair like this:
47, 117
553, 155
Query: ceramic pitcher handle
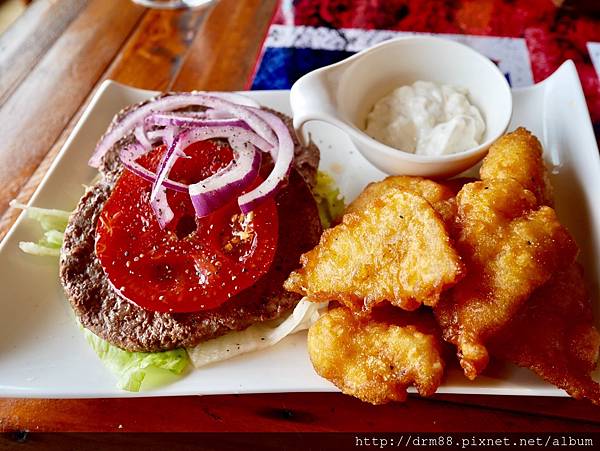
314, 97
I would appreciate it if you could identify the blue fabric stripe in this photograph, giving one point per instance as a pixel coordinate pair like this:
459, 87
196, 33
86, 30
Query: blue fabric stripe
280, 67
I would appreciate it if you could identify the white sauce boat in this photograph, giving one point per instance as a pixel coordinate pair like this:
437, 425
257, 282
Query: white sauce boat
342, 94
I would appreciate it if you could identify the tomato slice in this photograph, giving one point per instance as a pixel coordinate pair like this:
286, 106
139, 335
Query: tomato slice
194, 263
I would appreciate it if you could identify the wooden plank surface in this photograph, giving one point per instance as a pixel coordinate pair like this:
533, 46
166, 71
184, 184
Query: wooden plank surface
317, 412
43, 104
227, 46
559, 408
24, 43
149, 59
154, 54
186, 50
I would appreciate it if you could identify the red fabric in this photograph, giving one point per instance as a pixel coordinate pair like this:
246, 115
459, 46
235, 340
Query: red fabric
552, 34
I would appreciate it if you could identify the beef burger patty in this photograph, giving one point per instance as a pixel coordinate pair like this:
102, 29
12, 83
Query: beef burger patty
101, 309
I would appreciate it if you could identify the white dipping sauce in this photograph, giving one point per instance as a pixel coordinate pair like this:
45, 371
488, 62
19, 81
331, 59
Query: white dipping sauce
426, 119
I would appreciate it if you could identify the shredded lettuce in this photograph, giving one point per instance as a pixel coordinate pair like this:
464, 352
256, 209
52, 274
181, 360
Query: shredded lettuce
137, 371
40, 249
49, 218
329, 199
258, 336
53, 224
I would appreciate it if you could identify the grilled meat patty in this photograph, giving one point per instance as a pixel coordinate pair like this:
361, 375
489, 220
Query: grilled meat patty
100, 308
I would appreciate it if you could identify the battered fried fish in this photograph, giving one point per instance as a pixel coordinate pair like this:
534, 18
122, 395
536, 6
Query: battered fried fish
510, 248
518, 156
440, 196
554, 335
394, 249
375, 360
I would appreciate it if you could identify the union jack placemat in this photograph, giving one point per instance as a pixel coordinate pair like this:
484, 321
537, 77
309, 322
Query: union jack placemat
528, 39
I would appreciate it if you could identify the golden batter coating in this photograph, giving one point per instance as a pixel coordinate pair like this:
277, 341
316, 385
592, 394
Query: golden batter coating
375, 360
510, 248
554, 335
440, 196
394, 249
518, 156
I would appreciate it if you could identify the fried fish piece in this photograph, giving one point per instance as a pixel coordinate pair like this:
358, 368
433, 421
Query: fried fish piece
440, 196
375, 360
394, 249
518, 156
554, 335
456, 184
510, 248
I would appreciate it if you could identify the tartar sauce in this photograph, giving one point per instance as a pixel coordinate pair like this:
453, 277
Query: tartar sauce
426, 119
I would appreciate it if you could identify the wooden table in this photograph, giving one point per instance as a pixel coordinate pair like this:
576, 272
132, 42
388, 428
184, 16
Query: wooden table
51, 62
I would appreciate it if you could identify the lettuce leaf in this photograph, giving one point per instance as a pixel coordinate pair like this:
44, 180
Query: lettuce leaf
53, 222
49, 218
137, 371
329, 199
40, 249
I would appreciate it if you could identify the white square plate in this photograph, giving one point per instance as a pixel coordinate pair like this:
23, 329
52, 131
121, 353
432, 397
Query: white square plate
44, 354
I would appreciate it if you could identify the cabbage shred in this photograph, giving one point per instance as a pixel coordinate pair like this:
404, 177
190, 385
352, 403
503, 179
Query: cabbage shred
329, 199
53, 222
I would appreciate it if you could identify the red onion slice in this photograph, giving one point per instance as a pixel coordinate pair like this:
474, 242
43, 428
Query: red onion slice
208, 113
170, 103
170, 135
128, 157
283, 155
240, 99
166, 135
158, 202
226, 116
189, 137
161, 208
215, 191
158, 197
166, 120
217, 114
140, 135
241, 128
156, 135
